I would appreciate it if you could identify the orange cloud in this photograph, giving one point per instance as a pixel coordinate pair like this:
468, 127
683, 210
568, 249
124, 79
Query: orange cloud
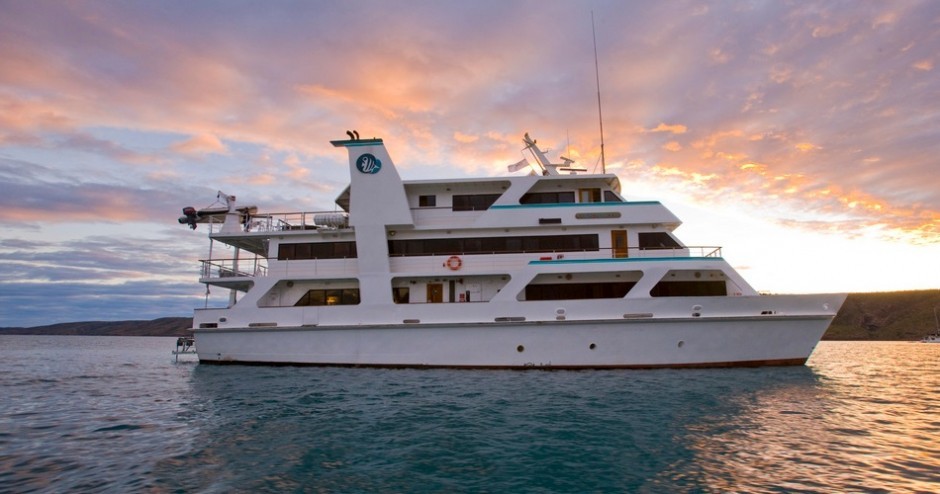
672, 129
464, 138
672, 146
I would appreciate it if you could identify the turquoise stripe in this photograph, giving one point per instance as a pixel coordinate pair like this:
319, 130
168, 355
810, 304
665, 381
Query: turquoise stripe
627, 259
360, 142
576, 204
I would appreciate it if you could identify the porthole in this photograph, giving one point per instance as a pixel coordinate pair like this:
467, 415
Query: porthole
520, 348
680, 343
592, 346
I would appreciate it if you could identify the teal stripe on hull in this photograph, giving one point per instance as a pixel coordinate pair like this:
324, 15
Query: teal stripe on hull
626, 259
575, 204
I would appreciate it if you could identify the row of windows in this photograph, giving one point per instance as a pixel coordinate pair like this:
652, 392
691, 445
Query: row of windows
316, 250
480, 202
334, 296
547, 243
558, 291
575, 291
491, 245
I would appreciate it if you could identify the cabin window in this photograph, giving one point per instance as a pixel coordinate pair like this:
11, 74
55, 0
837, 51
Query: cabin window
690, 289
427, 201
474, 202
492, 245
316, 250
565, 197
657, 240
401, 294
576, 291
334, 296
611, 196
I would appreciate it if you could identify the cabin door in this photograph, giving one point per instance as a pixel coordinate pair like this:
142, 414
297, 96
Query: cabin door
435, 293
618, 243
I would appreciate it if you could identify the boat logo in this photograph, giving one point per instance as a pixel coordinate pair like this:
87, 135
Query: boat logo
368, 163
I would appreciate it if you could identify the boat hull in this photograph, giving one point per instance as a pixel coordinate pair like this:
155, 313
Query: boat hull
649, 343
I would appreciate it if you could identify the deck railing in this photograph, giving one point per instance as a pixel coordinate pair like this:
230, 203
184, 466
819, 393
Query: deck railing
219, 269
307, 220
231, 268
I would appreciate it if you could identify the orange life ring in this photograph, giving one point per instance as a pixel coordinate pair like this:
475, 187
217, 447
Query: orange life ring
454, 263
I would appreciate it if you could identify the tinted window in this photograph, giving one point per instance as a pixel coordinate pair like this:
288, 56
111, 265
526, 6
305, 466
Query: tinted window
657, 240
547, 198
475, 202
316, 250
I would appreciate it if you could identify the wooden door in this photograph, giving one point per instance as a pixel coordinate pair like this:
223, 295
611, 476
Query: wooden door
435, 293
618, 243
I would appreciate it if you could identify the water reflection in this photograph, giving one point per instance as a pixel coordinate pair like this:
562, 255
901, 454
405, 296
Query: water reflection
867, 425
857, 418
372, 429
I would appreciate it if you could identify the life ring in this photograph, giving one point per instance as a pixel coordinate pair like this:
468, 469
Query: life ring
454, 263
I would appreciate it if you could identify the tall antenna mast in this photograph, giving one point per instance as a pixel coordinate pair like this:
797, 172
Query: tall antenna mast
597, 77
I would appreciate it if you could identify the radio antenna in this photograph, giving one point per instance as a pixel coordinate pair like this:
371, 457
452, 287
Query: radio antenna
597, 77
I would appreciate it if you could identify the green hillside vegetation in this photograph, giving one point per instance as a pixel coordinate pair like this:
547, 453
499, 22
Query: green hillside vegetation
886, 316
166, 326
864, 316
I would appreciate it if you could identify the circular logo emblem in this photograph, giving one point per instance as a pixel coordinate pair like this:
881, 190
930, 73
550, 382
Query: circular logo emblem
368, 164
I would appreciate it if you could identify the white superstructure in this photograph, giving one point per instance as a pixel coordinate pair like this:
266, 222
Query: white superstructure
540, 270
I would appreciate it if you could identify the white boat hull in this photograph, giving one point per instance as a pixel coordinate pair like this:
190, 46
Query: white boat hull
680, 342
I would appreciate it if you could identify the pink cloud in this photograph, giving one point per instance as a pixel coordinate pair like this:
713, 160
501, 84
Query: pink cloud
810, 104
200, 144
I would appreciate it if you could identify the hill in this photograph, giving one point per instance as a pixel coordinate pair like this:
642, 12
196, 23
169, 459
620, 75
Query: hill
864, 316
166, 326
886, 316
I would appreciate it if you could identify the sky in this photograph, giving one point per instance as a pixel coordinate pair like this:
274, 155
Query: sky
802, 137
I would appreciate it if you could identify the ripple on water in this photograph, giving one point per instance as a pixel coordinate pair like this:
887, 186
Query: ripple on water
118, 415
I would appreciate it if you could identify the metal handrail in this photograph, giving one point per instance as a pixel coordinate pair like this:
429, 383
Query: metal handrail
231, 268
259, 266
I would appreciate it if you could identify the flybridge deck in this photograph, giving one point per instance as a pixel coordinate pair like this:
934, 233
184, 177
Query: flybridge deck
546, 269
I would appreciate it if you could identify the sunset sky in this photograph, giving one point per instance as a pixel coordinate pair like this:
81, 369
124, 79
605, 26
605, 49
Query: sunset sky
801, 137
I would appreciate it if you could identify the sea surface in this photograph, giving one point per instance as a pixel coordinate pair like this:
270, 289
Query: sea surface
117, 414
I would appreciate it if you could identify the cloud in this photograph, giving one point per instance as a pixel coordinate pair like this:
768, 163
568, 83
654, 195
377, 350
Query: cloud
672, 129
28, 304
200, 144
98, 278
464, 138
32, 193
819, 116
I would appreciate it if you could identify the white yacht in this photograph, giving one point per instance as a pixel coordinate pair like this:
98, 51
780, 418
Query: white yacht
550, 269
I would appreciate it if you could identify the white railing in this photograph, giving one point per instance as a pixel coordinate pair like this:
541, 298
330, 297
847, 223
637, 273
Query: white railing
259, 266
306, 220
232, 268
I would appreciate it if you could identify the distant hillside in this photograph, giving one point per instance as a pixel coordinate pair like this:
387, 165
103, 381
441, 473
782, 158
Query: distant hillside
864, 316
166, 326
886, 316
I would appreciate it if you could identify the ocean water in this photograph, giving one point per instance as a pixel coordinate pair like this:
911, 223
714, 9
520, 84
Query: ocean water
115, 414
